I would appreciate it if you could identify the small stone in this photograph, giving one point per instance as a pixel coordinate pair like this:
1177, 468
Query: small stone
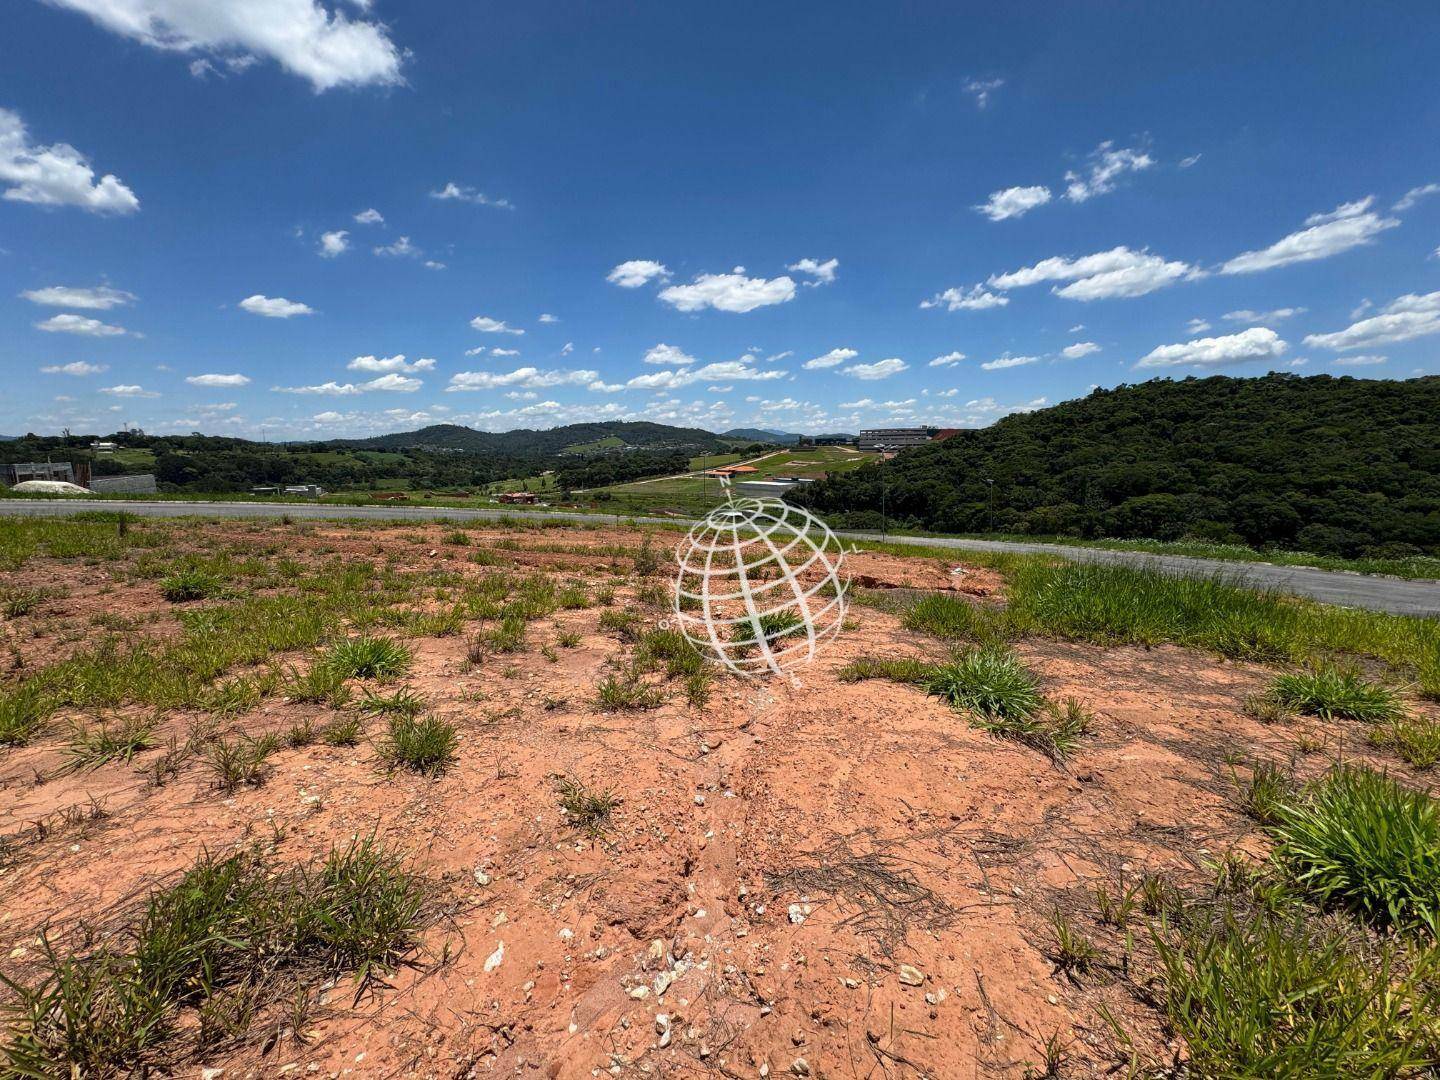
799, 913
211, 1074
663, 981
481, 877
493, 960
662, 1023
800, 1067
850, 984
567, 935
911, 976
699, 800
639, 993
764, 1069
704, 1050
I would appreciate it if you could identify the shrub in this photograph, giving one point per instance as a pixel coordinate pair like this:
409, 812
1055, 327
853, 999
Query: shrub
1360, 840
425, 744
368, 657
1329, 692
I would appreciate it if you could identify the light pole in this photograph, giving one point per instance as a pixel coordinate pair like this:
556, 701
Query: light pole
884, 520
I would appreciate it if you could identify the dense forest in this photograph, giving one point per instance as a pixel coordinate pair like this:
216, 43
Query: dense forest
442, 458
1336, 466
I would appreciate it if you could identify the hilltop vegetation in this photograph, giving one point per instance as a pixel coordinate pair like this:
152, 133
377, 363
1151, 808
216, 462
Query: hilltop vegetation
1338, 466
439, 457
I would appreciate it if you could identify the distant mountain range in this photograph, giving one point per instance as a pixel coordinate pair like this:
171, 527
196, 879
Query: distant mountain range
755, 434
526, 441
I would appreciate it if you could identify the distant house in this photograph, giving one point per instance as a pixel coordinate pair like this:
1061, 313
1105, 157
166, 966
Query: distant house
103, 447
732, 470
518, 498
21, 471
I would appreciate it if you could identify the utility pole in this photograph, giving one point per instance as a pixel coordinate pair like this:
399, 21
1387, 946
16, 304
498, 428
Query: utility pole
884, 519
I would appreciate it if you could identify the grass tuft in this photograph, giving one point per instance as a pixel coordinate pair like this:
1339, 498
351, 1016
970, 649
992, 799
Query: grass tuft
1330, 692
990, 682
90, 747
585, 808
369, 658
1415, 739
1359, 840
425, 745
188, 584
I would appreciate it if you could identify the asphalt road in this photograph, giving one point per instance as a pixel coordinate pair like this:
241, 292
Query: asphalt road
1331, 586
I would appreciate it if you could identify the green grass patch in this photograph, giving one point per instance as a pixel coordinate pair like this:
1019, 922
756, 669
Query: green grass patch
1256, 995
231, 941
1331, 692
1415, 739
1359, 840
369, 658
190, 584
423, 744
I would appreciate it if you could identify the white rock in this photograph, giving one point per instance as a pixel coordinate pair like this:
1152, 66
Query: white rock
911, 976
799, 913
493, 960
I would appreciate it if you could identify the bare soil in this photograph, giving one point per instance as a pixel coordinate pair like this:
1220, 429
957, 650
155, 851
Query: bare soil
816, 878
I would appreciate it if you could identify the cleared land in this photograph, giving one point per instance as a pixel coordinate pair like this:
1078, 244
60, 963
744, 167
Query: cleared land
1030, 816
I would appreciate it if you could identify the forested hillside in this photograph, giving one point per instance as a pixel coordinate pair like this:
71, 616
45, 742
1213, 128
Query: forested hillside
529, 441
1333, 465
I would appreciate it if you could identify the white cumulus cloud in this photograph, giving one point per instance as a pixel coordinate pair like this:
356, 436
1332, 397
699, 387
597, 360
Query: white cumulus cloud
1245, 315
1119, 272
977, 298
733, 292
822, 272
55, 175
1257, 343
636, 272
334, 243
1003, 362
99, 298
950, 359
721, 371
880, 369
370, 217
275, 307
217, 380
389, 363
668, 355
392, 382
486, 325
400, 249
1404, 319
980, 90
1349, 225
128, 390
830, 359
525, 377
1079, 349
327, 48
76, 367
1013, 202
79, 324
1359, 361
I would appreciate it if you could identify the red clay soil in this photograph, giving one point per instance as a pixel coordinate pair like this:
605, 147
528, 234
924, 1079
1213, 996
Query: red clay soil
812, 879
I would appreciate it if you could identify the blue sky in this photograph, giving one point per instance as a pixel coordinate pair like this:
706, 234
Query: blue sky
804, 217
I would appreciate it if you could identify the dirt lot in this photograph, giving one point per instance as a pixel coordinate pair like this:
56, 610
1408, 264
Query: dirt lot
820, 878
